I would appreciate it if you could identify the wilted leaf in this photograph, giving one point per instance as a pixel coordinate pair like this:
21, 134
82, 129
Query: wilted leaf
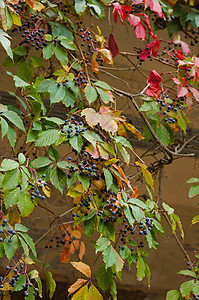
94, 64
132, 129
147, 175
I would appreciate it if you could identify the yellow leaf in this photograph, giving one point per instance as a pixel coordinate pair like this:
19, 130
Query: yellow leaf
28, 260
83, 268
171, 2
16, 19
37, 6
191, 2
94, 294
15, 219
47, 191
75, 190
111, 161
6, 295
99, 184
147, 175
132, 129
75, 286
81, 294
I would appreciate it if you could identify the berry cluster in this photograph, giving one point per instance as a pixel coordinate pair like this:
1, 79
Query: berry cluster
72, 127
36, 187
16, 272
6, 231
58, 241
83, 207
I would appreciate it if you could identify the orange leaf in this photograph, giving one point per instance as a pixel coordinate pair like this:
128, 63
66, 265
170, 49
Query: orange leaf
76, 234
75, 286
30, 2
66, 254
120, 171
106, 55
132, 129
74, 246
135, 192
13, 1
82, 250
83, 268
94, 64
121, 130
99, 184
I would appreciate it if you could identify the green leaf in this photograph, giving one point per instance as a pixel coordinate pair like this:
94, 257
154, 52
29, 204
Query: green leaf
58, 179
80, 6
70, 98
61, 54
107, 230
25, 71
18, 81
71, 180
101, 244
181, 121
4, 127
128, 215
47, 138
140, 268
187, 273
90, 93
76, 142
4, 41
25, 204
2, 251
14, 119
137, 212
173, 295
109, 257
92, 137
194, 190
11, 248
12, 136
148, 274
11, 179
51, 284
61, 29
21, 51
113, 290
163, 135
21, 158
45, 84
57, 93
85, 181
20, 227
29, 242
193, 180
24, 246
67, 43
103, 85
49, 50
89, 226
63, 164
124, 153
158, 226
103, 95
104, 277
168, 209
19, 283
53, 153
12, 198
125, 253
41, 161
108, 178
37, 61
9, 164
138, 203
186, 288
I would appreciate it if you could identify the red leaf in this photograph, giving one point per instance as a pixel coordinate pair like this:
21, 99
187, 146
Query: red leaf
140, 31
181, 91
117, 11
153, 48
189, 101
94, 64
136, 1
195, 93
154, 80
133, 20
126, 11
147, 23
112, 46
154, 6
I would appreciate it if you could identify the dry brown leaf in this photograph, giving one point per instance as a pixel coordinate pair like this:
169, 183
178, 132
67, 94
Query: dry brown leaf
82, 250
